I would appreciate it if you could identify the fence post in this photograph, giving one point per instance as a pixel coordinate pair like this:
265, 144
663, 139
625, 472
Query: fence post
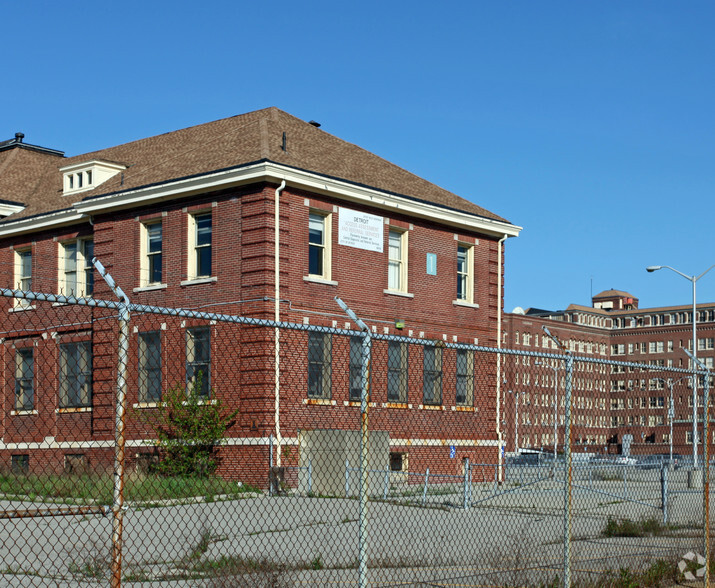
364, 439
706, 476
387, 483
270, 465
347, 478
568, 478
119, 426
664, 492
466, 483
424, 492
624, 481
310, 475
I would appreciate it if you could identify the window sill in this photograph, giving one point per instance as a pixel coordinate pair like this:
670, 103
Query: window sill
396, 405
22, 308
464, 409
398, 293
318, 280
465, 304
141, 405
72, 410
196, 281
203, 402
430, 407
150, 288
22, 412
358, 404
319, 402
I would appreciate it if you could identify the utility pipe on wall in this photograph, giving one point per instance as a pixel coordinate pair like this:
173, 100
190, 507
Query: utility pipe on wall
277, 318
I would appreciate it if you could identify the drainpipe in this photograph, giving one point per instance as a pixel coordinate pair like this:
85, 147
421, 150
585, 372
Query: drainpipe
500, 439
277, 318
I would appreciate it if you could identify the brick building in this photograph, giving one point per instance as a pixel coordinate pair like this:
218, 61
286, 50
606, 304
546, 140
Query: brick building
610, 401
191, 219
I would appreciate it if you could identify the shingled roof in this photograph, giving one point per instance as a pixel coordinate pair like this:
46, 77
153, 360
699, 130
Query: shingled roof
33, 177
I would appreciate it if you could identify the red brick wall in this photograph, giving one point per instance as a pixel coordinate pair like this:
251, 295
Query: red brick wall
243, 249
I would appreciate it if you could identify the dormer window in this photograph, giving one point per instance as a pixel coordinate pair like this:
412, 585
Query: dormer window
81, 177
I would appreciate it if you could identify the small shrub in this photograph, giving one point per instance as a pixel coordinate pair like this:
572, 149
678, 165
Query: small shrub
189, 427
317, 563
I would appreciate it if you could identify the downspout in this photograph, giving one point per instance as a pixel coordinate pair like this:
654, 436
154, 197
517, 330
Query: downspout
277, 318
500, 439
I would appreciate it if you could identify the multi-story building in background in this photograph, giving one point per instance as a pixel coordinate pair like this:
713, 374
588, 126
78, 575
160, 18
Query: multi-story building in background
610, 401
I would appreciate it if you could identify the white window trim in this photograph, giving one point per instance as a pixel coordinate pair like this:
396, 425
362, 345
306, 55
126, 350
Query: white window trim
469, 298
404, 248
191, 248
21, 303
144, 282
327, 276
198, 281
80, 276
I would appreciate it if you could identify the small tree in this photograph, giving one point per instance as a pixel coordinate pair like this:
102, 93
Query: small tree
189, 427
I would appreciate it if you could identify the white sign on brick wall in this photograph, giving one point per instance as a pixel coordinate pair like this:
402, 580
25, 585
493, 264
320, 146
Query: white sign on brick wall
360, 230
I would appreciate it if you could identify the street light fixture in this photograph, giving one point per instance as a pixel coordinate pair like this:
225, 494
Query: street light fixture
693, 280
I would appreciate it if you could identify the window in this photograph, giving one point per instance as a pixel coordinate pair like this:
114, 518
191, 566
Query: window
355, 368
76, 272
151, 254
398, 462
24, 379
68, 262
20, 464
23, 274
397, 261
150, 367
397, 363
198, 360
75, 374
319, 365
432, 376
319, 245
76, 463
465, 378
87, 266
200, 236
465, 273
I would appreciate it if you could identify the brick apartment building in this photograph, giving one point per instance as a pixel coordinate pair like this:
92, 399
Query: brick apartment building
609, 401
189, 219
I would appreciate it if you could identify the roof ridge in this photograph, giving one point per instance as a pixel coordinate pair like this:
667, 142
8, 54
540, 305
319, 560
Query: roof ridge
174, 132
197, 147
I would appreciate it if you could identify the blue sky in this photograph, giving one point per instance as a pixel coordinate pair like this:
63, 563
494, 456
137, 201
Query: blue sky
590, 124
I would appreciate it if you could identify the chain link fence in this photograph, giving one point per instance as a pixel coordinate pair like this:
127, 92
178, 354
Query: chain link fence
145, 445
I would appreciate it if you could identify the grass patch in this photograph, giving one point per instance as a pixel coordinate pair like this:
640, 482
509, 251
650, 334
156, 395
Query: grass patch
659, 574
645, 527
97, 488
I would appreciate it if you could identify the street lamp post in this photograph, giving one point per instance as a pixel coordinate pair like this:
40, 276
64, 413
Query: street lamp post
556, 409
693, 280
671, 411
